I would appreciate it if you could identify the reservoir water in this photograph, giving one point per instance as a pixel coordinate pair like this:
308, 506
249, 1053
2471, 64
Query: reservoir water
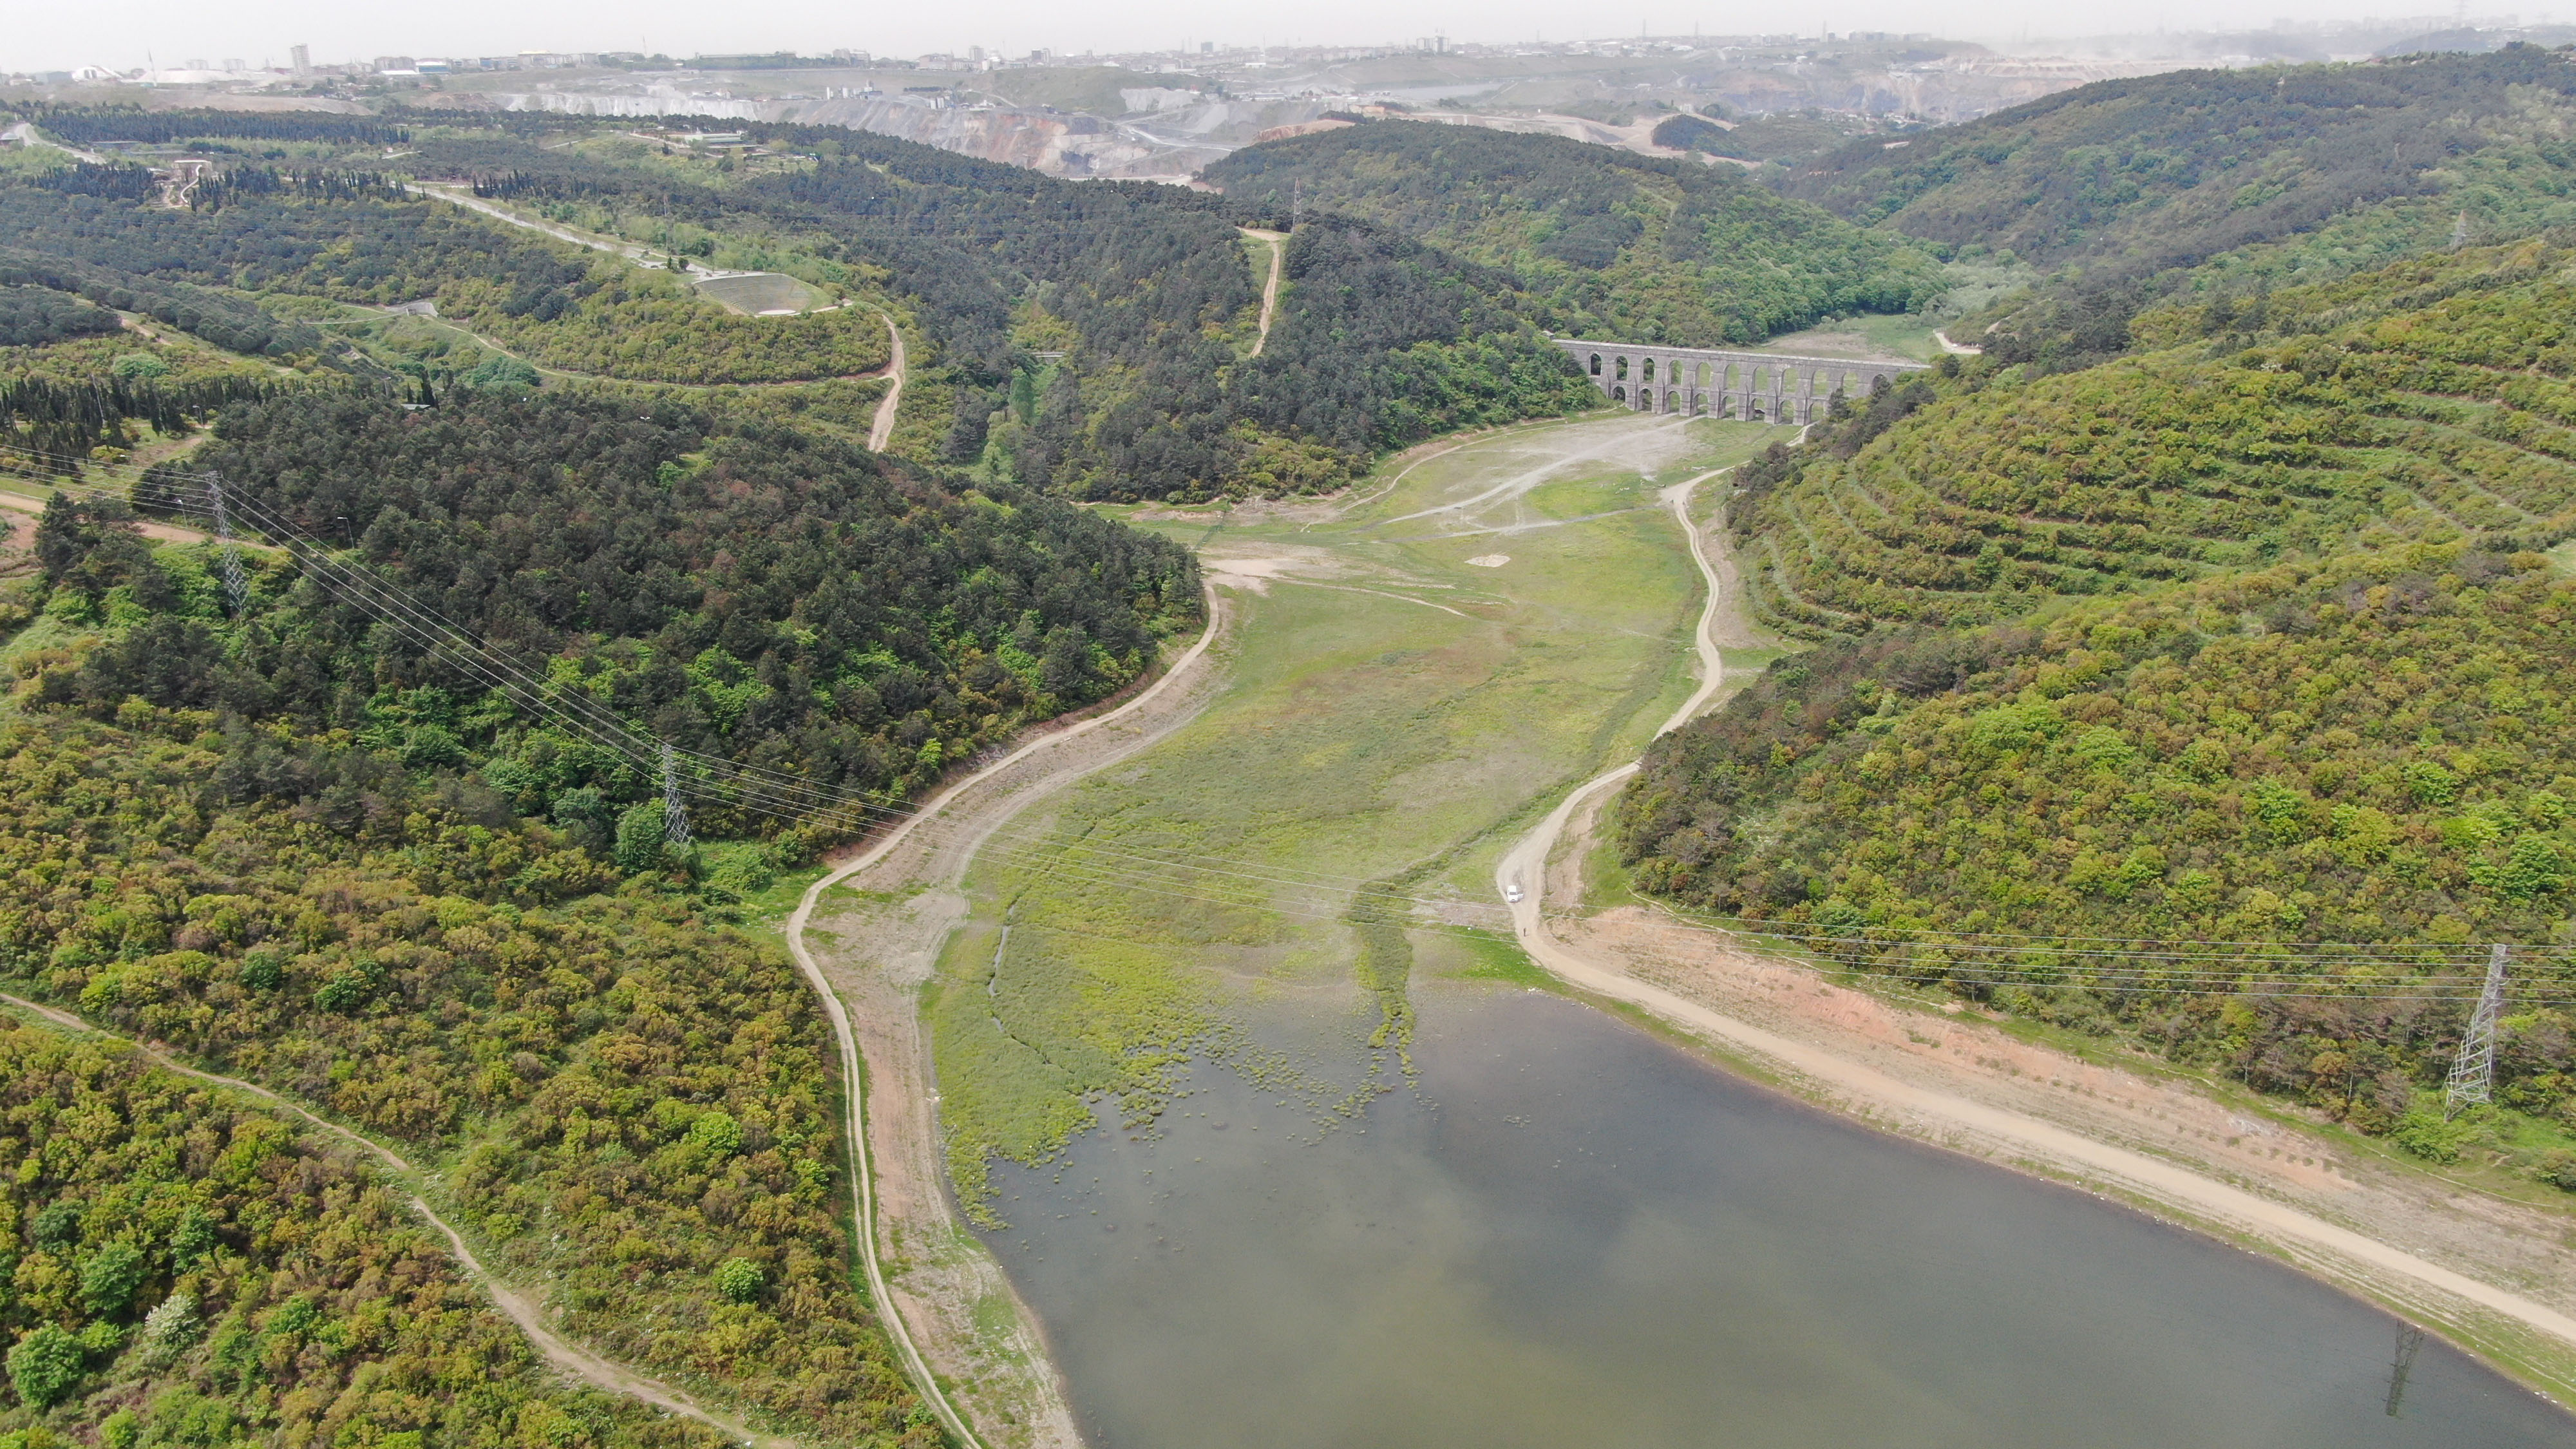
1571, 1233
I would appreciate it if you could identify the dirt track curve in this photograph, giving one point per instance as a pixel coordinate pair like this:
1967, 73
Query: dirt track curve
2348, 1257
568, 1357
932, 848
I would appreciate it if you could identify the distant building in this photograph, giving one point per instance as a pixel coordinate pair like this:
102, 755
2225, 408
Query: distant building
300, 60
396, 62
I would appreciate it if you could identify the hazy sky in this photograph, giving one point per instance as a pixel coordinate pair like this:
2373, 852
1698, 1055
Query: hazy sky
124, 35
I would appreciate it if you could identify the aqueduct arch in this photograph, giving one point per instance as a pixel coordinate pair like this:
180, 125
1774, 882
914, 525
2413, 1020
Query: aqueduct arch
1716, 382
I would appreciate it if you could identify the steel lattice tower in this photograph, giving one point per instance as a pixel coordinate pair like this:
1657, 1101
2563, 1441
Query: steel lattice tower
675, 816
236, 588
2473, 1075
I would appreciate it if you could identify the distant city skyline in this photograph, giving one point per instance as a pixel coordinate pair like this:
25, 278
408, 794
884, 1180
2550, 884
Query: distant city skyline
166, 35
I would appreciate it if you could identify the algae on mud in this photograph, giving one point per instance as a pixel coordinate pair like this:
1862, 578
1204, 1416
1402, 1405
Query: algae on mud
1390, 712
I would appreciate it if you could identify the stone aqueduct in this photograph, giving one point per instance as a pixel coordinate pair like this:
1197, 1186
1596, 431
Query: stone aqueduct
1698, 381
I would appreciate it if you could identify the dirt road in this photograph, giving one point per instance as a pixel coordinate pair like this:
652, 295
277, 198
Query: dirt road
569, 1358
881, 428
1278, 243
2504, 1279
926, 1275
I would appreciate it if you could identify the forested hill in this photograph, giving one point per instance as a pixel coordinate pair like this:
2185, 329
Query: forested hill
2431, 400
2130, 177
1094, 339
301, 840
1613, 243
748, 593
2254, 638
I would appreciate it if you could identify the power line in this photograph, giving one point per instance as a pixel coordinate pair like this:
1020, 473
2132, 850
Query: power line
2473, 1075
1253, 884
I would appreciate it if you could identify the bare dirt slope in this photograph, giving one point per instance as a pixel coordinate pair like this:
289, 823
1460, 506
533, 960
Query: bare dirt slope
870, 933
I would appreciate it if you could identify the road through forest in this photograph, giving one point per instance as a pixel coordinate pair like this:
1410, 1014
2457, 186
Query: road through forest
567, 1357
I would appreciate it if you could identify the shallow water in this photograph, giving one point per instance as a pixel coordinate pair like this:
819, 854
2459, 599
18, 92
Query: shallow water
1573, 1234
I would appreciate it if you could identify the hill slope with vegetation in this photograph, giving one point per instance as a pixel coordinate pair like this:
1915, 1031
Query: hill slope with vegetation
1611, 244
2431, 400
188, 1271
2251, 637
2142, 175
1090, 339
297, 846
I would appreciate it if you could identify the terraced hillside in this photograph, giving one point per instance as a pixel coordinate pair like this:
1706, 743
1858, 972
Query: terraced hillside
2435, 400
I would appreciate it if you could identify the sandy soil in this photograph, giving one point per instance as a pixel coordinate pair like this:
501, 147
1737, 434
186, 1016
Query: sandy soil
520, 1308
2498, 1276
167, 533
869, 948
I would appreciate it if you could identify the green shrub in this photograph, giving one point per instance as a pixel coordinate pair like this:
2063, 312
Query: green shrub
717, 1132
109, 1278
2429, 1135
740, 1280
44, 1365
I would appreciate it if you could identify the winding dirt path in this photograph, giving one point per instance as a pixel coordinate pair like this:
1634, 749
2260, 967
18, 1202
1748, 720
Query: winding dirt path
1832, 1069
881, 429
893, 1151
1270, 290
1712, 664
570, 1358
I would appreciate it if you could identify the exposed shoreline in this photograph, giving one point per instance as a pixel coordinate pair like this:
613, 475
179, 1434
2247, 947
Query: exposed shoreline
2496, 1278
926, 1274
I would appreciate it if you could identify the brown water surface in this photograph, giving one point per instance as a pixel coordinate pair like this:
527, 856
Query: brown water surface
1573, 1234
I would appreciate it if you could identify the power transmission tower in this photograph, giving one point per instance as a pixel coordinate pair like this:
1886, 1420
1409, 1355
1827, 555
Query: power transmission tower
236, 588
2409, 1340
675, 816
2473, 1075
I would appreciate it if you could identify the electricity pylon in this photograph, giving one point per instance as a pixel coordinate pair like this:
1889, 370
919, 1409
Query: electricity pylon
675, 816
236, 588
2473, 1075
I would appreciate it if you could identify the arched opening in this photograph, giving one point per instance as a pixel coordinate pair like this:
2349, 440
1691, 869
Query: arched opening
1649, 373
1618, 394
1596, 364
1622, 365
1699, 401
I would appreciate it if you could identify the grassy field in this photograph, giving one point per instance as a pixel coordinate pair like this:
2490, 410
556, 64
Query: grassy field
1421, 669
1905, 335
762, 293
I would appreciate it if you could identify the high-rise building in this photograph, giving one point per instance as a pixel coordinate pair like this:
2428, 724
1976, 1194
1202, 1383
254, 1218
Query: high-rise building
301, 58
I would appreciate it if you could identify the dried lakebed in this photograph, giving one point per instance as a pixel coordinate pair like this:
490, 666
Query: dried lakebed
1560, 1229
